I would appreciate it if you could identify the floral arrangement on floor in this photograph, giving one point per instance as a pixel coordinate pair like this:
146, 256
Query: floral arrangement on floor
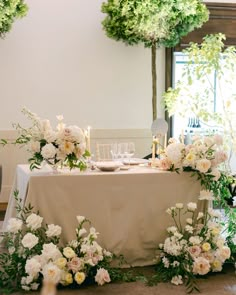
33, 254
206, 159
63, 146
194, 246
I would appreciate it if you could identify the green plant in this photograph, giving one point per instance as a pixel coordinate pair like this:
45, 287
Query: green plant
152, 22
10, 10
205, 60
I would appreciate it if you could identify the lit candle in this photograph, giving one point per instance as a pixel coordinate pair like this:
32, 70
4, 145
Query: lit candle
153, 148
165, 141
88, 139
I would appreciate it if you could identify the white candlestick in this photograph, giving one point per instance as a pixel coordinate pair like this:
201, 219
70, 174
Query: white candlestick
88, 139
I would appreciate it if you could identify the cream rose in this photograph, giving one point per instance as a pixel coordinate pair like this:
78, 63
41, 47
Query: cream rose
51, 273
203, 165
201, 266
32, 267
79, 277
68, 252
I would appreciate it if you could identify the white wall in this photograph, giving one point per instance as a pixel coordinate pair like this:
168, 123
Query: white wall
58, 60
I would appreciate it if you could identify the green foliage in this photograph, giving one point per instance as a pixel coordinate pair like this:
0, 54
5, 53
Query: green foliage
209, 58
152, 21
10, 10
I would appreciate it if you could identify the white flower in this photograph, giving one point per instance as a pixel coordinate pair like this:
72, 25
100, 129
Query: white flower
216, 173
172, 229
53, 230
34, 146
191, 206
51, 273
189, 220
79, 277
223, 253
34, 221
29, 240
50, 251
80, 219
218, 139
32, 267
177, 280
34, 286
48, 151
174, 153
189, 228
166, 262
203, 165
216, 265
81, 232
179, 205
102, 276
175, 263
200, 215
14, 225
195, 240
206, 195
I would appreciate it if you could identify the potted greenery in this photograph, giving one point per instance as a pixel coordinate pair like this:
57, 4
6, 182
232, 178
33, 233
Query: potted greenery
9, 11
152, 22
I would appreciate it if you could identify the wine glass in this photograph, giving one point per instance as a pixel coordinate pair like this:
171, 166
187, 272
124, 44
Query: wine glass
129, 150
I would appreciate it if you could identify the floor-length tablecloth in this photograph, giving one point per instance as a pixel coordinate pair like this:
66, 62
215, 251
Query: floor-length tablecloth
128, 208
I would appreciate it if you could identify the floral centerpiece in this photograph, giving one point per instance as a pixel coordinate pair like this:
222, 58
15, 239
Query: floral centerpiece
194, 246
63, 146
33, 254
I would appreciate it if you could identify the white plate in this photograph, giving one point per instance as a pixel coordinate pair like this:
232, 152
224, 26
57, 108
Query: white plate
108, 166
134, 161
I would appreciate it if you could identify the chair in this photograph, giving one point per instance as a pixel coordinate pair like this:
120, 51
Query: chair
103, 152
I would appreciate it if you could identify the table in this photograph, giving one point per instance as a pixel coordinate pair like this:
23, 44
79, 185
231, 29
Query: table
128, 208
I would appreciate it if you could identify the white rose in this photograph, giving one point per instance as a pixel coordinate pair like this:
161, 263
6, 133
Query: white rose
51, 273
102, 276
34, 221
201, 266
14, 225
53, 230
32, 267
29, 240
48, 151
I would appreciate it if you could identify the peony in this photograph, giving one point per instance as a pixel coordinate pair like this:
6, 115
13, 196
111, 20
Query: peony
73, 134
53, 230
32, 267
174, 153
177, 280
50, 251
51, 273
102, 276
48, 151
29, 241
14, 225
79, 277
201, 266
206, 195
68, 252
34, 221
203, 165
